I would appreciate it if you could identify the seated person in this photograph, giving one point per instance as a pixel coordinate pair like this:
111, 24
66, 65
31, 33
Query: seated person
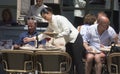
89, 19
99, 35
99, 14
7, 19
32, 23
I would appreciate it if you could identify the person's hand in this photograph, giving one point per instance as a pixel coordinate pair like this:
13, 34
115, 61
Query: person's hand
89, 48
41, 46
27, 39
116, 38
101, 46
16, 46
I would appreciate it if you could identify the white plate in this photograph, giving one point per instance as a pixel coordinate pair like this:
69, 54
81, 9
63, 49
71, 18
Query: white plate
27, 48
44, 48
52, 48
105, 49
52, 34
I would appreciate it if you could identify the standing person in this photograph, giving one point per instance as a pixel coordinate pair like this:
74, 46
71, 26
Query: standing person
79, 13
31, 24
64, 28
34, 10
98, 35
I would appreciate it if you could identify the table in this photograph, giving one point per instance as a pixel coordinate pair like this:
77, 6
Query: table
35, 62
105, 49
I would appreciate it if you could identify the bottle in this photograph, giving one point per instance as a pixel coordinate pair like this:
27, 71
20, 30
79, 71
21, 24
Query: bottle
36, 41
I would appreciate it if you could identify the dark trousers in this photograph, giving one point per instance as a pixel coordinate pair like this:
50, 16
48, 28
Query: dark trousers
76, 51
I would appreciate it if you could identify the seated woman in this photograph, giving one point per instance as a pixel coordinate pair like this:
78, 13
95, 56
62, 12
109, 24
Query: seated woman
89, 19
7, 19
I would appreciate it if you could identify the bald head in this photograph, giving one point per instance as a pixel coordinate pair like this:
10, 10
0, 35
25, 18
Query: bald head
103, 24
103, 20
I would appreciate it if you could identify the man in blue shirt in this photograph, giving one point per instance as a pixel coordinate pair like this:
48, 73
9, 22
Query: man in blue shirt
31, 23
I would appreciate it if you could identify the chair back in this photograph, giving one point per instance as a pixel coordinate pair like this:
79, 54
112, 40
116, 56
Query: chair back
17, 61
53, 62
114, 63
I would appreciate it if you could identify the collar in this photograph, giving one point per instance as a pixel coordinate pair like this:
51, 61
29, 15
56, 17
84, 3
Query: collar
35, 32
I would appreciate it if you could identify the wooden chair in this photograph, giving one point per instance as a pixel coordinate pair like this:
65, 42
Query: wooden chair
114, 63
17, 61
53, 62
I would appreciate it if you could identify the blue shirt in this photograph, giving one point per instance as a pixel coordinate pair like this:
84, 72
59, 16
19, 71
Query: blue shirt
26, 34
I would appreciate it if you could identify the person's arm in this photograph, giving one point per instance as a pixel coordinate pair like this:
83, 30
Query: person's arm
116, 40
40, 36
27, 39
79, 28
64, 25
16, 46
87, 47
86, 38
19, 42
114, 35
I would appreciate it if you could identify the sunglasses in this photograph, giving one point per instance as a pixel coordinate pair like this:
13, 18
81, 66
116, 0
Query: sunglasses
31, 18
